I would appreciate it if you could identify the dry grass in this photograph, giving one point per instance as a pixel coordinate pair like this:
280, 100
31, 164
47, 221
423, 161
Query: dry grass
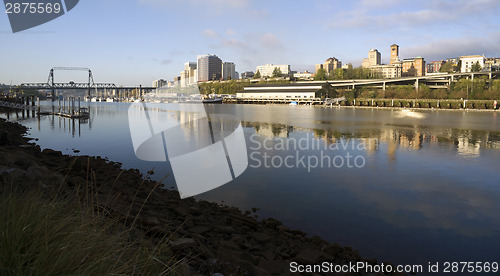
57, 237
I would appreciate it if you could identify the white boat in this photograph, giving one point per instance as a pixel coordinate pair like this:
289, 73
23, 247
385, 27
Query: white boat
293, 103
213, 99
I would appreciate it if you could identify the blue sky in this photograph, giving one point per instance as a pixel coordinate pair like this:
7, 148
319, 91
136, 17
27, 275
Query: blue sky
131, 42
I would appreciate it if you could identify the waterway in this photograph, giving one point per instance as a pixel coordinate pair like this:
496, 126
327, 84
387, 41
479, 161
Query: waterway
410, 187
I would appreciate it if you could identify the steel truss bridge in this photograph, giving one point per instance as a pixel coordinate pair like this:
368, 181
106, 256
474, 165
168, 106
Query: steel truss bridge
89, 86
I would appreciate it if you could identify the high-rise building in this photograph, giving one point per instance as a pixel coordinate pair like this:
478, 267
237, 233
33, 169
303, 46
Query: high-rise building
394, 53
331, 64
159, 83
209, 68
228, 71
188, 76
374, 57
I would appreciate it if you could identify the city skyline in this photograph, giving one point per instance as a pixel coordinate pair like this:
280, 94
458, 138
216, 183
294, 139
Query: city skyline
135, 42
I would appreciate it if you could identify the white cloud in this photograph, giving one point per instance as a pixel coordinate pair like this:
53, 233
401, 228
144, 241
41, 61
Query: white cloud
230, 32
434, 13
210, 33
455, 47
208, 7
270, 41
233, 43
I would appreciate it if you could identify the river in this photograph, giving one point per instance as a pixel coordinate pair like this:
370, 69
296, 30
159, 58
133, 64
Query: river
410, 187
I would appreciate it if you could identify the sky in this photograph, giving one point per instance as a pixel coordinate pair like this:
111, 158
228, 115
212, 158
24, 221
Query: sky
132, 42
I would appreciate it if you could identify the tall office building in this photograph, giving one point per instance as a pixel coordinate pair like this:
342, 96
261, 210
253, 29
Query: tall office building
331, 64
394, 53
228, 71
209, 68
374, 57
159, 83
188, 76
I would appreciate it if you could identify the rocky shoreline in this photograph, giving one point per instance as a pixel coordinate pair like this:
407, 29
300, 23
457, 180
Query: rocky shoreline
211, 239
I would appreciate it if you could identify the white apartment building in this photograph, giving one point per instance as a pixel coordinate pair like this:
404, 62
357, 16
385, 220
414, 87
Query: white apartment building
268, 69
305, 75
388, 71
469, 61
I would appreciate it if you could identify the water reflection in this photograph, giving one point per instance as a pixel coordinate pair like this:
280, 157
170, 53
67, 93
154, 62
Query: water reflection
467, 143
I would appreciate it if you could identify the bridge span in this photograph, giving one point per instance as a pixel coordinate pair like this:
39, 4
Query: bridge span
89, 86
434, 81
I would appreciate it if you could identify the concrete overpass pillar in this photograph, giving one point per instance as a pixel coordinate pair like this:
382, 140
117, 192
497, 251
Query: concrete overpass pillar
416, 84
383, 86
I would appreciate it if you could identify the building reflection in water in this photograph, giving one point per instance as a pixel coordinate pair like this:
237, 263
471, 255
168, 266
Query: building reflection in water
467, 143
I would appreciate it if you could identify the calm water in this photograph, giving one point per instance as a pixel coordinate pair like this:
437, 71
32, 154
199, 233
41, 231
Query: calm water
425, 188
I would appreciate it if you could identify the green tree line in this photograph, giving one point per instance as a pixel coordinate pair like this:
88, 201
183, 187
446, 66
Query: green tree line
351, 73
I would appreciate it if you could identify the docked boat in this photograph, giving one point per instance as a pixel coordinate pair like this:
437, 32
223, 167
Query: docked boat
212, 99
293, 103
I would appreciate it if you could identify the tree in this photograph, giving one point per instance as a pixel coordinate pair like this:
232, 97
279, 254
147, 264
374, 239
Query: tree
257, 75
320, 74
476, 67
338, 74
447, 67
277, 72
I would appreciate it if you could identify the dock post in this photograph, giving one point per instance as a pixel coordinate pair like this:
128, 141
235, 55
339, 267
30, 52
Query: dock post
32, 101
72, 106
38, 105
78, 111
64, 105
59, 105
